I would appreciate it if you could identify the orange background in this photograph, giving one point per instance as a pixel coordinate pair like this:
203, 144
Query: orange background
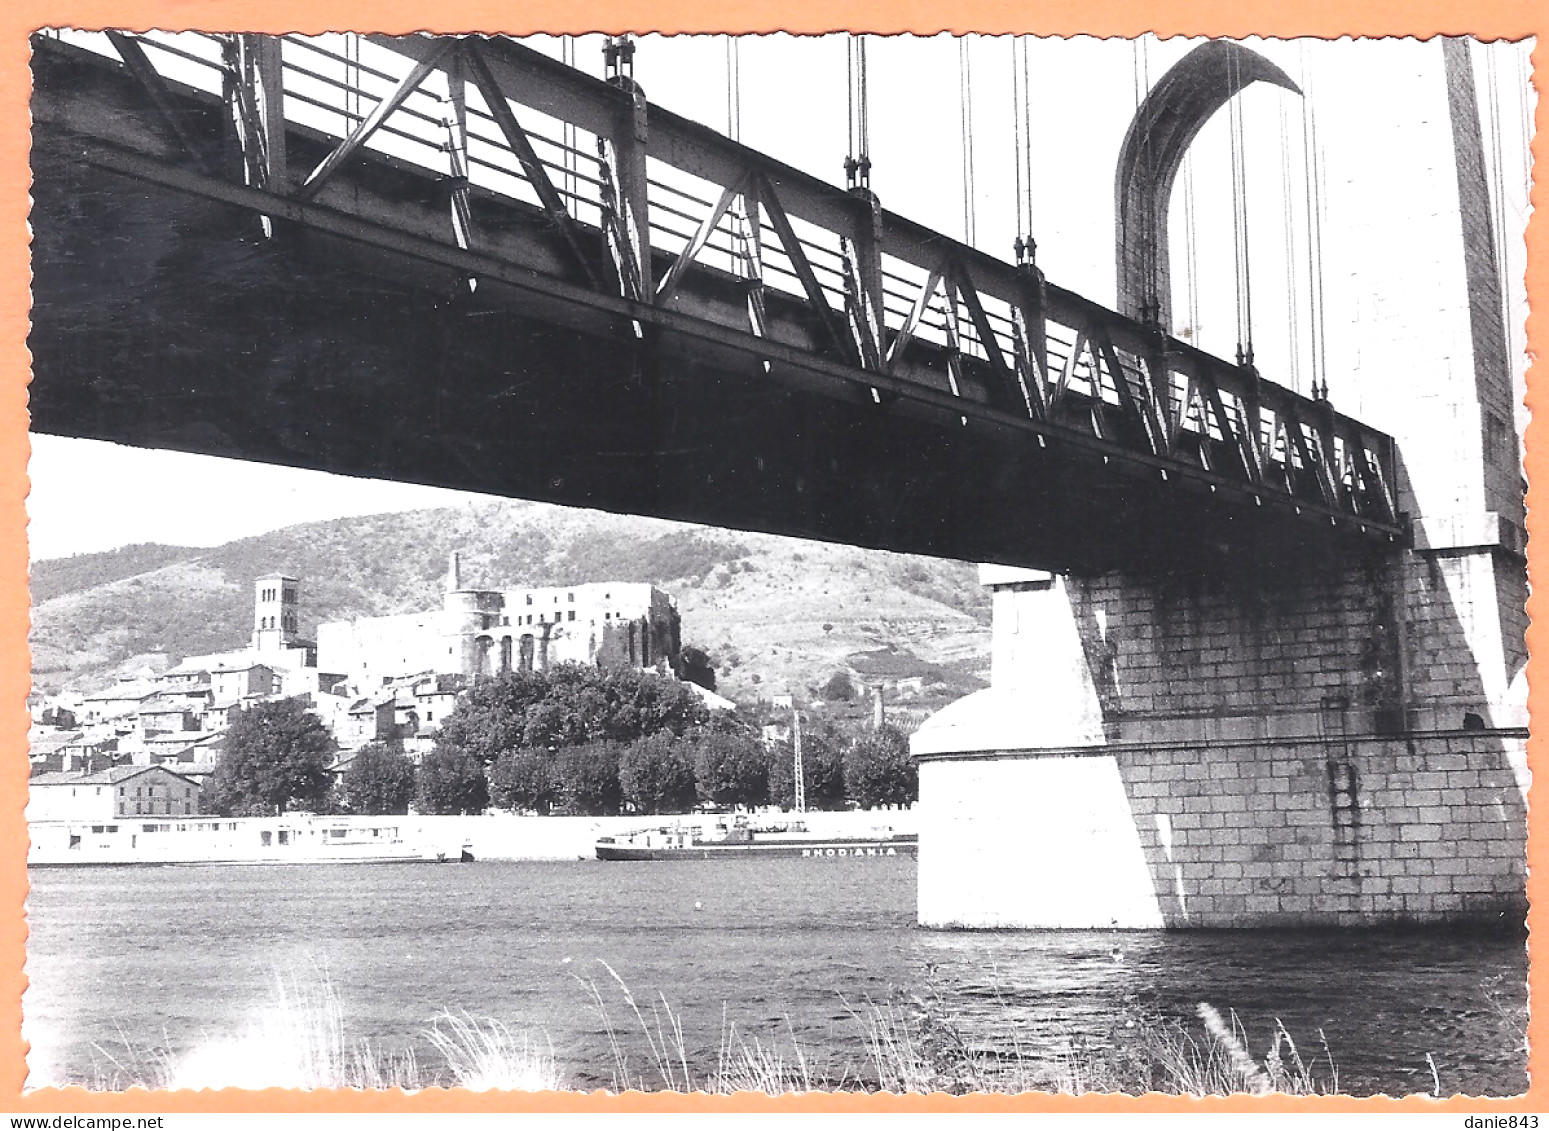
1486, 19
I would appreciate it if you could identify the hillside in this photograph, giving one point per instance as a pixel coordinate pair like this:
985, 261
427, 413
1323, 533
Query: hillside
59, 576
775, 614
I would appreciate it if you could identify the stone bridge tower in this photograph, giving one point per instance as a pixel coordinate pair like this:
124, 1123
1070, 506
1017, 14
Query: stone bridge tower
1297, 742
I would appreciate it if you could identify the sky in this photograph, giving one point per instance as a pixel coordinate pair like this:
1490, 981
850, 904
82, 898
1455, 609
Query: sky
89, 496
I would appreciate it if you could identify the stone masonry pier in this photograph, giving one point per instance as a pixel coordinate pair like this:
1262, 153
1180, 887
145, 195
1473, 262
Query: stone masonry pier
1329, 741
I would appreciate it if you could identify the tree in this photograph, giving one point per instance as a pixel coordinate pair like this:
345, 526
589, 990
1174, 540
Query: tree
379, 780
490, 718
729, 767
839, 688
656, 774
878, 770
641, 703
822, 764
276, 758
697, 666
450, 780
568, 705
588, 777
524, 779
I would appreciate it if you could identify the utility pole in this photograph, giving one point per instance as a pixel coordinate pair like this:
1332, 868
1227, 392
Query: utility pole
800, 785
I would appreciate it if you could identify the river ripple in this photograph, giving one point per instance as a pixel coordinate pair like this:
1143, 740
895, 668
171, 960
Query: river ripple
137, 965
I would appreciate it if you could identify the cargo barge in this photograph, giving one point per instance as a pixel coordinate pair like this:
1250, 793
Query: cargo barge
741, 837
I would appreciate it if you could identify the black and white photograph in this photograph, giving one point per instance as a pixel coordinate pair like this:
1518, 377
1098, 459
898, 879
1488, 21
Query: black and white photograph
778, 563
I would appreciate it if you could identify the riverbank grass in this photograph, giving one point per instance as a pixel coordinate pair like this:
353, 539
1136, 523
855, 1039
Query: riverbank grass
482, 1054
912, 1044
298, 1041
1166, 1057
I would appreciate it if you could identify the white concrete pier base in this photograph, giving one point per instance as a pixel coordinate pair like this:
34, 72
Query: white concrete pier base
1031, 841
1012, 836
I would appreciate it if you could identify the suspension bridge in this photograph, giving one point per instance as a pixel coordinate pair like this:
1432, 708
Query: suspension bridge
462, 262
1256, 662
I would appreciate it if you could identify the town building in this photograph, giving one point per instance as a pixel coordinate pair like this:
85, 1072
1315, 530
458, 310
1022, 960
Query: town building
111, 794
122, 700
380, 679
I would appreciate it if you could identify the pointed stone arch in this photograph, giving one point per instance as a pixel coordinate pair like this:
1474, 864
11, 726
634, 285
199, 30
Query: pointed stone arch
1164, 126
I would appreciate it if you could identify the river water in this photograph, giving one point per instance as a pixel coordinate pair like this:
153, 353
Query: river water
134, 966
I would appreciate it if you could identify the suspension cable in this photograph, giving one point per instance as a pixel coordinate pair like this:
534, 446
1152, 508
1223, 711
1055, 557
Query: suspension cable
1240, 225
1017, 139
1147, 257
352, 78
568, 131
1027, 134
849, 108
1293, 325
1191, 244
965, 106
737, 217
865, 95
857, 166
1497, 187
1134, 66
1313, 171
1022, 131
1151, 251
1320, 195
1525, 104
733, 88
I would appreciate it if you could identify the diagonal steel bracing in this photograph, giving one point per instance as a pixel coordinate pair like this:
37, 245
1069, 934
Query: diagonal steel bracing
899, 317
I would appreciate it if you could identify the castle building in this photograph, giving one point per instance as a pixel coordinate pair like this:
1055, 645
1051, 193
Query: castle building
488, 631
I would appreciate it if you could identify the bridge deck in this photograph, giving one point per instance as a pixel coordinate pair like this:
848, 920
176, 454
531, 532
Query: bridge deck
662, 321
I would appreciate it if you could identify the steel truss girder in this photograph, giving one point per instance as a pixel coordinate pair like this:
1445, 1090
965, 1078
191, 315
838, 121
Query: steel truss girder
457, 149
521, 147
252, 86
369, 125
160, 93
1348, 465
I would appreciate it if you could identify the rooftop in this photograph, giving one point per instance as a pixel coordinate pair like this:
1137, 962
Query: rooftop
110, 776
